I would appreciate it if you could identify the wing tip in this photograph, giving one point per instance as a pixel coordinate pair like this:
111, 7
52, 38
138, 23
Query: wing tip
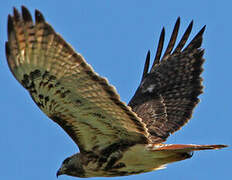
10, 25
26, 14
177, 21
39, 18
146, 65
16, 13
172, 40
196, 40
203, 29
159, 48
201, 32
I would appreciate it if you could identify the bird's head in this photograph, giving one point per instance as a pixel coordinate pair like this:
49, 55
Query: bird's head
72, 166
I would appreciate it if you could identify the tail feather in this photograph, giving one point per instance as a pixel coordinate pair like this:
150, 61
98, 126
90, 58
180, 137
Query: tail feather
177, 152
185, 147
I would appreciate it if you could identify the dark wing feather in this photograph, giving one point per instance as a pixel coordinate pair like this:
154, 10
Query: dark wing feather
168, 94
66, 88
146, 65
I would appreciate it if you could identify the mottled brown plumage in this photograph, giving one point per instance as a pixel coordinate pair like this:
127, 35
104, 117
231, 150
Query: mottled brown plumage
114, 140
168, 93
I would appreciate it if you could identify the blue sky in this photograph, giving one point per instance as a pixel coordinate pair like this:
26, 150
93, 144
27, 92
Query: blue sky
114, 37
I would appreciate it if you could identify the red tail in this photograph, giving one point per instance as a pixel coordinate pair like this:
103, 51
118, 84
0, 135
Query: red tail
185, 147
169, 153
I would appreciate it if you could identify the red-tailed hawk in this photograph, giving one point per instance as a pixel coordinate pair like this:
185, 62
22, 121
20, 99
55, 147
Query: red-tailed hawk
114, 139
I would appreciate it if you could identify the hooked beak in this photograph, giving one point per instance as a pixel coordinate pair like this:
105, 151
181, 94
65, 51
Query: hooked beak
58, 173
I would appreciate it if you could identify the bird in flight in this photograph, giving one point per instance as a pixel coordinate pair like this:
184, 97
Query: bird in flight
114, 139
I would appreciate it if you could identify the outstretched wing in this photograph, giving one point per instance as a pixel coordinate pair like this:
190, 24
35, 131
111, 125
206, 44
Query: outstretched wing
168, 93
67, 89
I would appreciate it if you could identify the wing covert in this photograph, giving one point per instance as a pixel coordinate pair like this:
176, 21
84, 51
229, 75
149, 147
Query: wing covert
66, 88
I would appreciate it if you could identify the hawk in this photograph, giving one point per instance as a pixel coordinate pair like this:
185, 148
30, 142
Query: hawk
114, 139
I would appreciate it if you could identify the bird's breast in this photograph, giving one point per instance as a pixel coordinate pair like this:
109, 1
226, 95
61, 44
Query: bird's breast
136, 159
